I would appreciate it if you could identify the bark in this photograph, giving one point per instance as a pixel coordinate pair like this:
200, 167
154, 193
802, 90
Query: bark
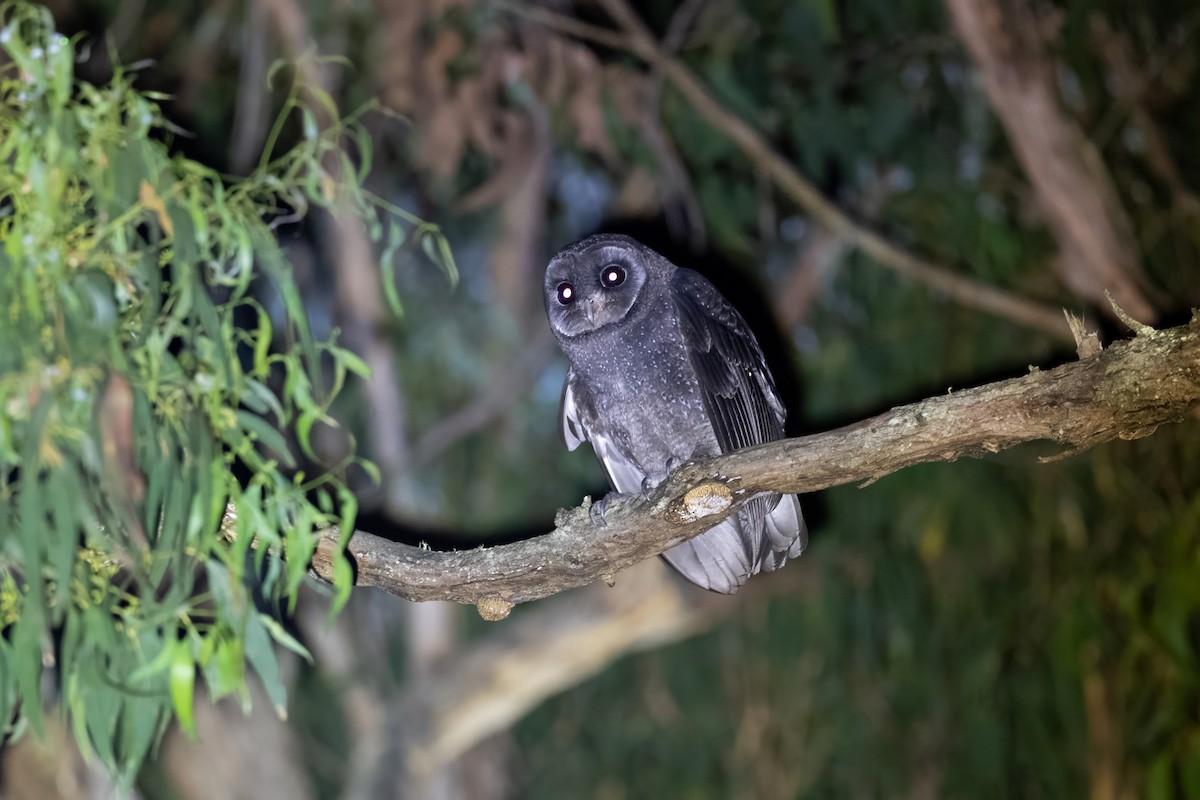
1095, 238
1124, 391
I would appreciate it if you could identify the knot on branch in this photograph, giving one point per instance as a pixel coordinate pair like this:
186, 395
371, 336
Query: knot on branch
494, 609
1129, 434
701, 501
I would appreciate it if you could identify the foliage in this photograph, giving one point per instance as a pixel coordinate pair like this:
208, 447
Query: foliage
141, 395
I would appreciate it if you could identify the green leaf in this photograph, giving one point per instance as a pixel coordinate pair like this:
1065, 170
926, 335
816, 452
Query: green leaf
261, 400
225, 670
299, 544
351, 361
27, 667
161, 662
119, 256
142, 721
262, 657
8, 689
66, 491
263, 431
102, 714
396, 238
343, 570
262, 342
183, 684
304, 427
343, 582
280, 635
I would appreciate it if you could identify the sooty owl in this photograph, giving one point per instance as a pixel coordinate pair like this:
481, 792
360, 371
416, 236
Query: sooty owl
664, 369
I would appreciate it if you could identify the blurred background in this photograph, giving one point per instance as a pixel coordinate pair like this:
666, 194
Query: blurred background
899, 196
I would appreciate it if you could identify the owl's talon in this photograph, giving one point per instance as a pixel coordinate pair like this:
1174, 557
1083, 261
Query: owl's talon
599, 508
647, 487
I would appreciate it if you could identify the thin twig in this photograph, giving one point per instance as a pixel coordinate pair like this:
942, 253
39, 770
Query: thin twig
1138, 328
569, 25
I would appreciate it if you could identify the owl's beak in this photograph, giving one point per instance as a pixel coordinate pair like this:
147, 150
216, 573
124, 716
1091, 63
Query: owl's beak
590, 306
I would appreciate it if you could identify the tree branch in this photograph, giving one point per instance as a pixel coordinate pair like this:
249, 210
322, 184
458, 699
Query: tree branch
1125, 392
1083, 211
638, 40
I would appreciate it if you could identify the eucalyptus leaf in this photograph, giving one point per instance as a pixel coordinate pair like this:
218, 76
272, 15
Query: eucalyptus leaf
126, 264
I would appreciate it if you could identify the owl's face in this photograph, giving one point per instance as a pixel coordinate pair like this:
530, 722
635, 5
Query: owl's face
593, 284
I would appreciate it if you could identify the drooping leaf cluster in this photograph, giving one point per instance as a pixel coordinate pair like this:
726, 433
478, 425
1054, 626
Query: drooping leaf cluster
145, 391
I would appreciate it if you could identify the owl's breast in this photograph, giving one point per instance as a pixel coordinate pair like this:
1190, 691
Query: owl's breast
647, 398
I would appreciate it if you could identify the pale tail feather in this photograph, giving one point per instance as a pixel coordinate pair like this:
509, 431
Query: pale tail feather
722, 560
716, 559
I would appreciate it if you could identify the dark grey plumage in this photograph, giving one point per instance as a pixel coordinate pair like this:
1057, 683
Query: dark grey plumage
664, 369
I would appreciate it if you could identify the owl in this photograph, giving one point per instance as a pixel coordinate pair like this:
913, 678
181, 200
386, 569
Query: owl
663, 370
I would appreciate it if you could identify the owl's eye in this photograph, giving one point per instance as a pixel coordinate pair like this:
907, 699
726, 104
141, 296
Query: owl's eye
612, 276
566, 294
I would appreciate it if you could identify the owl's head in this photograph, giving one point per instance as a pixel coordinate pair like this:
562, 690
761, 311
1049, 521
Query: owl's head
594, 283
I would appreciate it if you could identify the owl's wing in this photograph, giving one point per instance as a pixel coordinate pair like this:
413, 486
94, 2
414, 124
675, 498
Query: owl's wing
735, 384
577, 416
575, 411
744, 409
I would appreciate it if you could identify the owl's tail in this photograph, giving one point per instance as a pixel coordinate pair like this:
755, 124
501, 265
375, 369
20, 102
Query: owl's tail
761, 537
784, 532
